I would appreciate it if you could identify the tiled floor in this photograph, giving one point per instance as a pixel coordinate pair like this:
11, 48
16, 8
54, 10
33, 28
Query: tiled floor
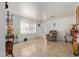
42, 48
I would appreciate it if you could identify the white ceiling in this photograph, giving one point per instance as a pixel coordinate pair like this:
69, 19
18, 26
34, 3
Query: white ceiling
42, 10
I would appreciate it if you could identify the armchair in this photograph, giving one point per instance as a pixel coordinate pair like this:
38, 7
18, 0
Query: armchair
52, 36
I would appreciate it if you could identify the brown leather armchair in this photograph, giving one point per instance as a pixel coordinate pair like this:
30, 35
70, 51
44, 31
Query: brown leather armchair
52, 36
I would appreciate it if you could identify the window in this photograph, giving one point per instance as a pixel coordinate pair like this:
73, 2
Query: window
27, 27
32, 28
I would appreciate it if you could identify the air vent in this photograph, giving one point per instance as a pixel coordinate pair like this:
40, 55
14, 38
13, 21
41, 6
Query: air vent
52, 16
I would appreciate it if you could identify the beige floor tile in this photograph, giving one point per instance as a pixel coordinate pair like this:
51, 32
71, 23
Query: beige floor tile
42, 48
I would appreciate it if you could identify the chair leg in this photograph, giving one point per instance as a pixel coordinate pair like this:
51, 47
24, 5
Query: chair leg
12, 55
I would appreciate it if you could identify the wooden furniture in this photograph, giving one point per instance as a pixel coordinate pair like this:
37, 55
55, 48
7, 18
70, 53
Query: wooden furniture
9, 36
75, 44
9, 48
52, 36
9, 44
75, 36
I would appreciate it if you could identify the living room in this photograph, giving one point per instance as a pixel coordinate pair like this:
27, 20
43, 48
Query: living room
32, 24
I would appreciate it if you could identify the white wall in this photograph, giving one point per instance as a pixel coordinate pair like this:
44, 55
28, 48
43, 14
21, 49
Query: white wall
62, 25
2, 30
77, 3
16, 20
40, 29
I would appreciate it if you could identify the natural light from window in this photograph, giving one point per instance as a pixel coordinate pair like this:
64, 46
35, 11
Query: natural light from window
26, 28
